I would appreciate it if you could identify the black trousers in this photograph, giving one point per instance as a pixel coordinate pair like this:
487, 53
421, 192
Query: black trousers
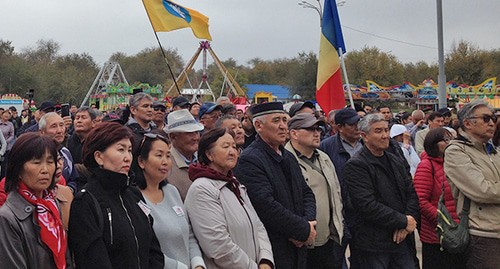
384, 260
329, 256
434, 258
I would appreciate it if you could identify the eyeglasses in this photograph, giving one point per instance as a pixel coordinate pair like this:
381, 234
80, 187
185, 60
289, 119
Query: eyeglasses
162, 109
313, 129
486, 118
152, 137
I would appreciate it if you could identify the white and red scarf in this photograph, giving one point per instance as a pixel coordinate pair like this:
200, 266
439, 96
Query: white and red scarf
51, 229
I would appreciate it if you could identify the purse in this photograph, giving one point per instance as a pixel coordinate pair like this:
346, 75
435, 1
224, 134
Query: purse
453, 237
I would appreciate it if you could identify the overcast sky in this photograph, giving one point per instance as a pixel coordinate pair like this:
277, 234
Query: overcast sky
243, 29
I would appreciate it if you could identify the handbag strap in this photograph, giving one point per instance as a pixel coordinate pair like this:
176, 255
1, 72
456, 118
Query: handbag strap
466, 206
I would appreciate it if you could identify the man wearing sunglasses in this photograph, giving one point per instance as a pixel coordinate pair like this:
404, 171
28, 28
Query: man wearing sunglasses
159, 114
472, 165
320, 175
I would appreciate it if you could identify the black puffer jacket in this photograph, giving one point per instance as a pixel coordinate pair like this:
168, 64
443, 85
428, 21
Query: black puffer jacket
380, 201
122, 235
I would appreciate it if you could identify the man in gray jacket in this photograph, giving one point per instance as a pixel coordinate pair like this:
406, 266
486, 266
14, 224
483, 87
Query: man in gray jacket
319, 173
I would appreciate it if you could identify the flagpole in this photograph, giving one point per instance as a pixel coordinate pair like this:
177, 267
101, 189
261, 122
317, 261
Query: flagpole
166, 61
342, 63
162, 51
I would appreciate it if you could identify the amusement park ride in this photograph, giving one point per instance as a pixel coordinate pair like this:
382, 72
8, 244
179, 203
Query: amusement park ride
234, 88
110, 88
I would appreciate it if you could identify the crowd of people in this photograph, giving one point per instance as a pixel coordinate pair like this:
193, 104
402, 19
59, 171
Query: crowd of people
207, 185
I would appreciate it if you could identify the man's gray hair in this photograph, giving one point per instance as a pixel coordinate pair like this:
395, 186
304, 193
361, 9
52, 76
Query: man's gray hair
136, 98
220, 121
418, 111
467, 111
222, 98
42, 124
91, 111
331, 114
261, 118
365, 124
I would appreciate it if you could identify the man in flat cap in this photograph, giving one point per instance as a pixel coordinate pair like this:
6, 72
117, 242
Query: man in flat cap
319, 173
160, 110
277, 189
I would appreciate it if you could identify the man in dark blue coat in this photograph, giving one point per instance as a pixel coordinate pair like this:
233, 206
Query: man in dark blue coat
342, 146
277, 189
385, 204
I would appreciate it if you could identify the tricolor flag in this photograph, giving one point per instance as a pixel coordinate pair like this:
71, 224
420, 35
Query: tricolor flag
167, 16
329, 89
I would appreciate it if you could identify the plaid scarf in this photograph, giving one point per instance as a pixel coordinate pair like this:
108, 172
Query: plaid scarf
51, 229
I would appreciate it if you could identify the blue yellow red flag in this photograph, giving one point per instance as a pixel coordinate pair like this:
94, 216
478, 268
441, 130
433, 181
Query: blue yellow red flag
167, 16
329, 88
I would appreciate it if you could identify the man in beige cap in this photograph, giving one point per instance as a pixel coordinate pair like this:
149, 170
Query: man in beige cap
319, 173
184, 132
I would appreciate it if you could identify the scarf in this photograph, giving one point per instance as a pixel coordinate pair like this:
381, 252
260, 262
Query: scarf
51, 228
198, 170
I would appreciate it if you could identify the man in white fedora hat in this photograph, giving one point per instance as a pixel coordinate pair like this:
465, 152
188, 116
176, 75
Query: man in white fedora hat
184, 132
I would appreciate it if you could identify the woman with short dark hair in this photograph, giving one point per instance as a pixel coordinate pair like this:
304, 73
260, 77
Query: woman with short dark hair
228, 229
110, 225
31, 229
429, 180
171, 223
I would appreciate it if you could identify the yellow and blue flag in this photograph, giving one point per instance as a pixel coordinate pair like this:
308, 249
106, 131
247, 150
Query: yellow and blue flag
167, 16
329, 89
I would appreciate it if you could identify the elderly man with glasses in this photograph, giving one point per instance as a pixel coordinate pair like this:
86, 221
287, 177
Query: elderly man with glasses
472, 165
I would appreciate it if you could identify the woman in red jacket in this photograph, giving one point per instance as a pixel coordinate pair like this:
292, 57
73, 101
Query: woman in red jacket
429, 178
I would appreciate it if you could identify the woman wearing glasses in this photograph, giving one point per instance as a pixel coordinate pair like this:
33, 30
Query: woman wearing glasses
472, 164
429, 179
171, 223
228, 229
110, 225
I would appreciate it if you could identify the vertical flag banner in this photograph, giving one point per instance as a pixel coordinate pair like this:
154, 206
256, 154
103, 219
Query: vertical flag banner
329, 88
167, 16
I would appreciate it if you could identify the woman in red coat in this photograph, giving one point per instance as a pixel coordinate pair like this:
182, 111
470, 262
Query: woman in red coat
429, 178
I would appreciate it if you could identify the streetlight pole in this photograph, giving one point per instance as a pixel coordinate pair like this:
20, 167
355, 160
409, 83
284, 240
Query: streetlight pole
442, 75
317, 7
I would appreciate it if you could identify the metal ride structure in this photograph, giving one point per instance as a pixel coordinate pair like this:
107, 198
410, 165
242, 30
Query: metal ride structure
111, 74
234, 87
